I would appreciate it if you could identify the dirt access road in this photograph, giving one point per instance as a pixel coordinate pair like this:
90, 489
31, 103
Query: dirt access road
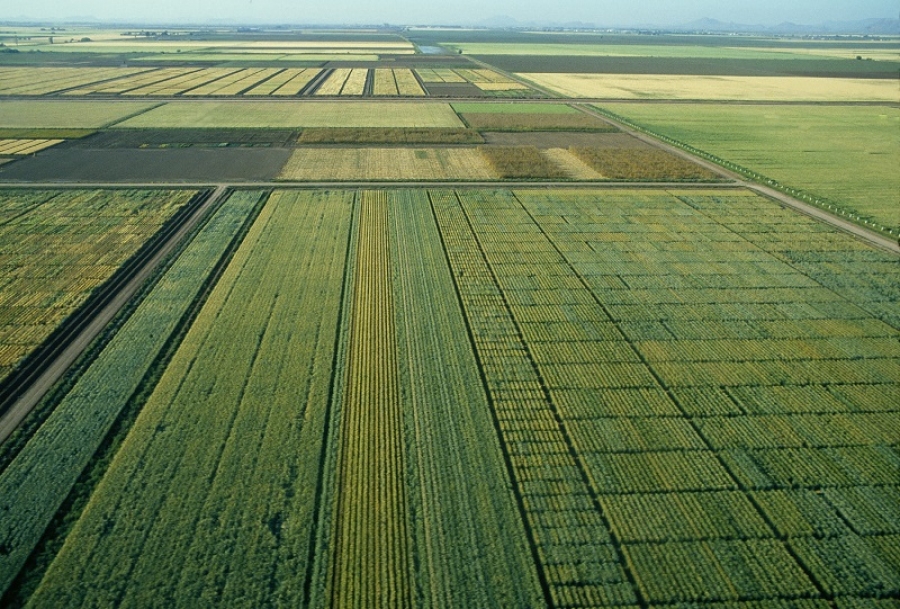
31, 395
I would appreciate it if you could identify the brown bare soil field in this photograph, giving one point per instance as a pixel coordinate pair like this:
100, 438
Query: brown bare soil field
453, 89
174, 138
179, 164
563, 139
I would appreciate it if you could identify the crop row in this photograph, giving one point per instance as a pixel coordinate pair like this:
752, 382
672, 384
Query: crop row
25, 147
642, 437
40, 81
399, 81
219, 495
59, 246
571, 538
31, 490
471, 534
193, 81
371, 512
438, 397
425, 135
640, 164
285, 83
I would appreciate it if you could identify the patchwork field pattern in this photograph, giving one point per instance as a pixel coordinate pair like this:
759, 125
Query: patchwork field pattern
31, 492
234, 81
274, 115
41, 81
58, 246
584, 398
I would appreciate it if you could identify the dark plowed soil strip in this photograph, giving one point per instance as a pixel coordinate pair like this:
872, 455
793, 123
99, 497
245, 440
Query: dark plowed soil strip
180, 164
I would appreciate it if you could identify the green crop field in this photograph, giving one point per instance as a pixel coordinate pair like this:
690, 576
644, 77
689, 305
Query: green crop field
31, 493
58, 246
66, 114
488, 116
847, 155
511, 398
260, 114
631, 50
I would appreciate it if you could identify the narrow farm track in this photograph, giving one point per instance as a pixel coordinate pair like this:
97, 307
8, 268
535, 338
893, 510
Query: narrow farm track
29, 387
371, 563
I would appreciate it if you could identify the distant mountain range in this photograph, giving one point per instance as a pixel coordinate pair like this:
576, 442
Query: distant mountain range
871, 27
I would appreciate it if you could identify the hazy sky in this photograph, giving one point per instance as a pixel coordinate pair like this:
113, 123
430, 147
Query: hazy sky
600, 12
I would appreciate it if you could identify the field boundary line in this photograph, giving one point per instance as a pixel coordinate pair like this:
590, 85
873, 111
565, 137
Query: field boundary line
55, 369
515, 486
770, 190
747, 492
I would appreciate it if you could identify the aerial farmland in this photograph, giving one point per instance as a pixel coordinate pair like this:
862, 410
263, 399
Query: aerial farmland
448, 317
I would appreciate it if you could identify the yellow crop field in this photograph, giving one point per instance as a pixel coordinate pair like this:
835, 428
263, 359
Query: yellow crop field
233, 83
334, 83
371, 517
177, 85
356, 82
385, 84
267, 87
407, 83
297, 83
142, 79
348, 113
40, 81
23, 147
387, 164
574, 167
763, 88
401, 81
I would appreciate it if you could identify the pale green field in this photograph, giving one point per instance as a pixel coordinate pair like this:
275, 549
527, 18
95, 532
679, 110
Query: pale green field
630, 50
296, 114
846, 154
66, 114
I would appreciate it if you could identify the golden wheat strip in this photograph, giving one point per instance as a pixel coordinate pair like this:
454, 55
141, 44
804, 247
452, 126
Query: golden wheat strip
384, 82
356, 82
334, 83
37, 145
407, 83
371, 562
